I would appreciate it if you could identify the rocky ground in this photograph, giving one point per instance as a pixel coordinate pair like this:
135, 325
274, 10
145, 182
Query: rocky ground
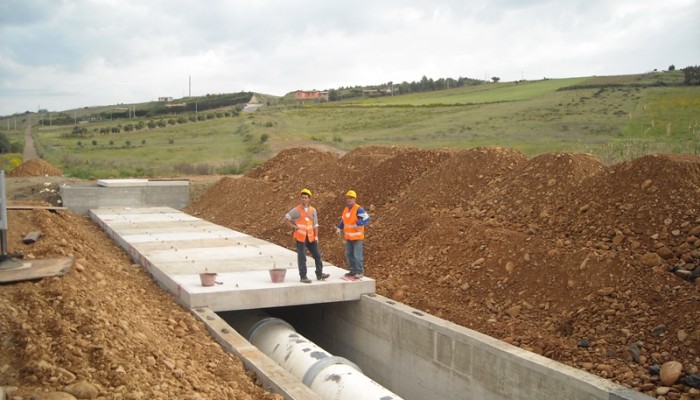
594, 266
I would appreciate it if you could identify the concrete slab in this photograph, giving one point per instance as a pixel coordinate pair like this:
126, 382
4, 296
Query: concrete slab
125, 193
121, 182
175, 248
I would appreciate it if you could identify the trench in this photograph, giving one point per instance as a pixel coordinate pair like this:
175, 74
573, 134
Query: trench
418, 356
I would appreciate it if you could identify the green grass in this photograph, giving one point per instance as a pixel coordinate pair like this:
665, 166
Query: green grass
615, 118
481, 94
203, 147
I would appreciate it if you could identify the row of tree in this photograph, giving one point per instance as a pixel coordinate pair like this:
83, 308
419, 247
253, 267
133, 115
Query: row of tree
81, 130
424, 85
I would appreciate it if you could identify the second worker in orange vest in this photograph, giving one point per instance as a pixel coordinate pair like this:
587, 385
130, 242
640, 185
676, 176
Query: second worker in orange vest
352, 226
304, 220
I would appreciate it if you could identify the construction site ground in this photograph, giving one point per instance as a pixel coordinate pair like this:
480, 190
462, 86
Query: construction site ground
591, 265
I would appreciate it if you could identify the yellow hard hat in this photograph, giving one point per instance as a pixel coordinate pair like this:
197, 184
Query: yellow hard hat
351, 193
306, 191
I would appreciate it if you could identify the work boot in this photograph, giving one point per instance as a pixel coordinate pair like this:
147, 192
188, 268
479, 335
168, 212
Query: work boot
349, 274
305, 280
358, 276
322, 277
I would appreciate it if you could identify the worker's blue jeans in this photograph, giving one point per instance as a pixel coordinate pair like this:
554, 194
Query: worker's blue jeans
301, 257
353, 252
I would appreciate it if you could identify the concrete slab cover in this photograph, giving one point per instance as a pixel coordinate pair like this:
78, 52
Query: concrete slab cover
121, 182
175, 248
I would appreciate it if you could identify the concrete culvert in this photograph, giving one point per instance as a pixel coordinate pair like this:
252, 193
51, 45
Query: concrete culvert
328, 376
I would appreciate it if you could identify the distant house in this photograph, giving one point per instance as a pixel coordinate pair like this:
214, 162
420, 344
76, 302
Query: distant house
311, 95
166, 99
376, 92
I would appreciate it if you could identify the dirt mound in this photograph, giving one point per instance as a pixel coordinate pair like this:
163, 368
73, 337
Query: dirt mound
536, 192
557, 254
105, 324
35, 167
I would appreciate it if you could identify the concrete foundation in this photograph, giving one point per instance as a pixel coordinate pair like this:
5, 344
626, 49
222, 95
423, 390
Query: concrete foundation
125, 193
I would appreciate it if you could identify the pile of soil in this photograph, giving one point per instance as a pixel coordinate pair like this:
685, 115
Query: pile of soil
104, 330
594, 266
35, 167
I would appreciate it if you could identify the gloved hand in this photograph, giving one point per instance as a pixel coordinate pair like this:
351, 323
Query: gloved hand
338, 231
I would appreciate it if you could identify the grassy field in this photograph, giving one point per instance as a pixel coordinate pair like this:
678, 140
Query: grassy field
615, 118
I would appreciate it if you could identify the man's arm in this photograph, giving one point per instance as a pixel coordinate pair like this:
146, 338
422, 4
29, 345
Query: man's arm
291, 217
362, 217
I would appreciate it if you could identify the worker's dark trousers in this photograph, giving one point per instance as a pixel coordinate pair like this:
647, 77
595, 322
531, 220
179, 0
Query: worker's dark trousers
301, 257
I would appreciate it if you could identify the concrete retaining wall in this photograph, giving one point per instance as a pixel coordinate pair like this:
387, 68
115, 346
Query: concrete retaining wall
81, 198
419, 356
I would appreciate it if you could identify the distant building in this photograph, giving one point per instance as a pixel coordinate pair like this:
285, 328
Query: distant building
166, 99
311, 95
376, 92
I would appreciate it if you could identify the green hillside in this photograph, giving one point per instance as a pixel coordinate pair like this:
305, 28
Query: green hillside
615, 118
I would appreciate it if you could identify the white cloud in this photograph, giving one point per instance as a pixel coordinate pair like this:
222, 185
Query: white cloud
76, 53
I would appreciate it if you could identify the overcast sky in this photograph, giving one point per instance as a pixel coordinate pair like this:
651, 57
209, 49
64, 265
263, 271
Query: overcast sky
63, 54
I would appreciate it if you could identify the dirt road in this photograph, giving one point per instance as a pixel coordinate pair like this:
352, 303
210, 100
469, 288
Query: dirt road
29, 147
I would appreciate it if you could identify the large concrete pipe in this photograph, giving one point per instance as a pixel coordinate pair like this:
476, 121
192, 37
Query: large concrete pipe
328, 376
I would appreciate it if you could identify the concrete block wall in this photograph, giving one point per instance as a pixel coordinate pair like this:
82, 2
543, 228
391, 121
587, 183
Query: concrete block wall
419, 356
81, 198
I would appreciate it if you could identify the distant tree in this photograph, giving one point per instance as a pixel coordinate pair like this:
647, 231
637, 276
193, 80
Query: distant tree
495, 79
671, 67
692, 75
264, 137
128, 143
5, 145
143, 141
332, 95
94, 142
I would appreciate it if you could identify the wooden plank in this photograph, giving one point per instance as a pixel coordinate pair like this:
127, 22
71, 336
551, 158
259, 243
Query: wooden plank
15, 207
36, 269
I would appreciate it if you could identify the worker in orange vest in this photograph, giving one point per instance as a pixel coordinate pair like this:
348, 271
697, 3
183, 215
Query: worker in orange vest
303, 219
352, 228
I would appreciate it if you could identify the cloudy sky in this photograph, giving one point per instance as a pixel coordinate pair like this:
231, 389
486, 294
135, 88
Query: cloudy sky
63, 54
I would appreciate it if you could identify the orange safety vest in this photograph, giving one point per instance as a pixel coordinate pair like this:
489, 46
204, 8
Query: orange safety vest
305, 225
350, 218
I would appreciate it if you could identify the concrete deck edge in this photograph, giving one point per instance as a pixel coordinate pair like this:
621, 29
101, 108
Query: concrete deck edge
272, 376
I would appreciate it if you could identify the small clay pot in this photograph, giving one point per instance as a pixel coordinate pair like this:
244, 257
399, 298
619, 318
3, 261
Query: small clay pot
277, 274
207, 278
